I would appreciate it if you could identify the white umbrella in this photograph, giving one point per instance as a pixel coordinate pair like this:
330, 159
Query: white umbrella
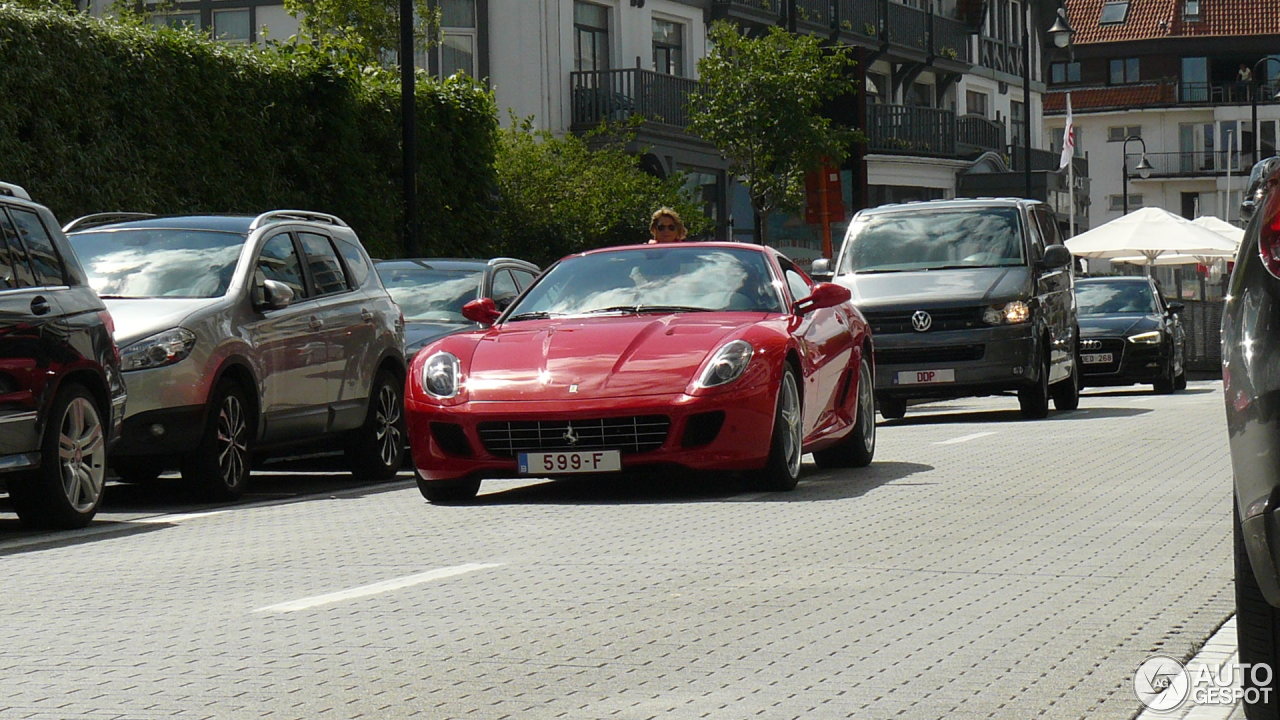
1176, 259
1222, 227
1150, 233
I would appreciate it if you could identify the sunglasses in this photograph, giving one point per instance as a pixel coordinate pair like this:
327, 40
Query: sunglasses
665, 227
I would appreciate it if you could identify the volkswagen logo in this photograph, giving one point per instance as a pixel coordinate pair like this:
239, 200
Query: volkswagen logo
570, 436
1090, 344
921, 321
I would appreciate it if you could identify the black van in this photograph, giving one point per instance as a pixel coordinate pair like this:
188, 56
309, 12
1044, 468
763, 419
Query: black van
965, 297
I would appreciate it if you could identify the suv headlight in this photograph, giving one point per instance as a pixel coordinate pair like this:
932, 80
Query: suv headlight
727, 364
440, 375
1147, 338
1010, 313
161, 349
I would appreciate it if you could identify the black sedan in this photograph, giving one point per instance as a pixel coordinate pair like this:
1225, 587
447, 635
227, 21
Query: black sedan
1251, 385
1129, 334
431, 291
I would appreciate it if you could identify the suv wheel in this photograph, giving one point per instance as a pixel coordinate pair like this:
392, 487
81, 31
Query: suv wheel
219, 466
376, 450
1257, 630
1066, 394
1034, 400
67, 488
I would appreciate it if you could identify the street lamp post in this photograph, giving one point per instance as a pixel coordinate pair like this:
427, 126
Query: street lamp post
408, 136
1253, 103
1061, 33
1143, 167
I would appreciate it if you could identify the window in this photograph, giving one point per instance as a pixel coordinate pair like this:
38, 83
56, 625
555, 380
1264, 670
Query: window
44, 258
668, 47
1195, 79
590, 36
795, 281
1191, 10
1124, 71
975, 103
356, 264
524, 278
1018, 121
322, 262
279, 261
12, 259
233, 26
1118, 134
1116, 202
504, 289
1064, 72
457, 37
1114, 12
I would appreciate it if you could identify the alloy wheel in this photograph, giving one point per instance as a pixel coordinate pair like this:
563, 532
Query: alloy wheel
233, 452
790, 412
82, 455
390, 439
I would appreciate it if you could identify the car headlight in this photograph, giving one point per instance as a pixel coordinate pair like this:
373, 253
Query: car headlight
440, 375
1010, 313
1147, 338
727, 364
161, 349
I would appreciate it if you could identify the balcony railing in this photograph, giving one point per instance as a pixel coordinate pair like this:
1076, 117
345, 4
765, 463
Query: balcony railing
615, 95
981, 133
902, 129
1193, 163
1227, 93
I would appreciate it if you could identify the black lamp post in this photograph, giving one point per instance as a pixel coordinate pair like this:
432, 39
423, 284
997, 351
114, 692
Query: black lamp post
1253, 103
1143, 167
408, 136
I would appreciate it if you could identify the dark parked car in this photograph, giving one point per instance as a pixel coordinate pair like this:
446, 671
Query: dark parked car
1129, 334
1251, 385
432, 291
61, 393
964, 297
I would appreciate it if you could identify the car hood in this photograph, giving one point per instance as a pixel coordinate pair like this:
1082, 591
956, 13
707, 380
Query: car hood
597, 357
1117, 325
137, 318
419, 333
961, 286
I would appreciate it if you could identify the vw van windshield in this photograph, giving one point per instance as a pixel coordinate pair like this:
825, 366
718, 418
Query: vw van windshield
934, 240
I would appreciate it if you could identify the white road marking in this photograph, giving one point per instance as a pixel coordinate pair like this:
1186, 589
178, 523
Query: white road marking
176, 518
376, 588
965, 438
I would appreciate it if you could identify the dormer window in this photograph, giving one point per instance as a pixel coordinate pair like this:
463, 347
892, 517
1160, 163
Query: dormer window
1114, 13
1191, 10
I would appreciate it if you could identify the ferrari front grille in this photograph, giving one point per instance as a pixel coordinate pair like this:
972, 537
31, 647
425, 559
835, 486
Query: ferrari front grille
628, 434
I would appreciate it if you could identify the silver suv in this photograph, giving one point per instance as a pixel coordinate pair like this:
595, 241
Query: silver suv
241, 335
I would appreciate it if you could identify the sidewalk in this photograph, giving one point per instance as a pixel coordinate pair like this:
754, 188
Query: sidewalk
1217, 651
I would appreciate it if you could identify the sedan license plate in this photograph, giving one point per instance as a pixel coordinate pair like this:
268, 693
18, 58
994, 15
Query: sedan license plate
561, 463
1095, 358
925, 377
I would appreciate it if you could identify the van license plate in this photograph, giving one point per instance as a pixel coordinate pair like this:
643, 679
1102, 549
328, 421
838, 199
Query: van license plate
925, 377
1095, 358
563, 463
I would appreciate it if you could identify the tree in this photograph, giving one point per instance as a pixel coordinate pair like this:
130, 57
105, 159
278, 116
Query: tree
558, 195
363, 31
759, 103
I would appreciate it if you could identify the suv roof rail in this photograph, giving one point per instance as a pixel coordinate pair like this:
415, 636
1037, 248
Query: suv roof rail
287, 215
14, 191
103, 218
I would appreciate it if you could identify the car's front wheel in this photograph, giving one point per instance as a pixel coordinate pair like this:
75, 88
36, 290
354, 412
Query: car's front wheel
67, 488
376, 450
1066, 393
781, 471
859, 447
1257, 632
220, 465
1034, 400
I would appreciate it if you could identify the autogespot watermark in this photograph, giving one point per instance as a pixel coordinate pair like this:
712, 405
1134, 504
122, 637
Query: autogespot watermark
1163, 684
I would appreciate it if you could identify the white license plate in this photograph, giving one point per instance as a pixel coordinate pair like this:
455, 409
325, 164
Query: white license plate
562, 463
925, 377
1095, 358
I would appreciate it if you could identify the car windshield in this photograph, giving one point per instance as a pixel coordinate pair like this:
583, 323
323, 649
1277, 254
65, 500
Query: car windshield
668, 278
427, 294
934, 240
1118, 298
145, 263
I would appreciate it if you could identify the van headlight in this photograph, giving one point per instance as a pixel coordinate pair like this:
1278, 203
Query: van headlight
1147, 338
161, 349
727, 364
1010, 313
440, 375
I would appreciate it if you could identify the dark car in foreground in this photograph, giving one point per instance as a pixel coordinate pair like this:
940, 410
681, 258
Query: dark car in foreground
61, 394
1129, 334
432, 291
1251, 386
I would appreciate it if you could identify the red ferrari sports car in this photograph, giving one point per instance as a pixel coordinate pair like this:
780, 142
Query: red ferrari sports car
704, 356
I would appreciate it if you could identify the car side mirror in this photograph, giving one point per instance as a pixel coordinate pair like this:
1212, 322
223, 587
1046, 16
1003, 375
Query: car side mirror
821, 270
275, 295
482, 310
1175, 308
1056, 256
824, 295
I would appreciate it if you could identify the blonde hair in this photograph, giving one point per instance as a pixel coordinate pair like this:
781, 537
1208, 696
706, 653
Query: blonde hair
681, 230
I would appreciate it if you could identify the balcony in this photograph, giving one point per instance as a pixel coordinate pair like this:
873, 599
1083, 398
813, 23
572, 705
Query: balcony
976, 134
1233, 93
906, 130
616, 95
1193, 163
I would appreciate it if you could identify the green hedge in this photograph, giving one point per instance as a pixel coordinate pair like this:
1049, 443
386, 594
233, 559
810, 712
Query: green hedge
98, 116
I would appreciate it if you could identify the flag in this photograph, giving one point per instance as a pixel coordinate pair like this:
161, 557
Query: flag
1068, 138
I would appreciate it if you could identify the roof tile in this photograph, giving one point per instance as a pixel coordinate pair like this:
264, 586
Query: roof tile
1152, 19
